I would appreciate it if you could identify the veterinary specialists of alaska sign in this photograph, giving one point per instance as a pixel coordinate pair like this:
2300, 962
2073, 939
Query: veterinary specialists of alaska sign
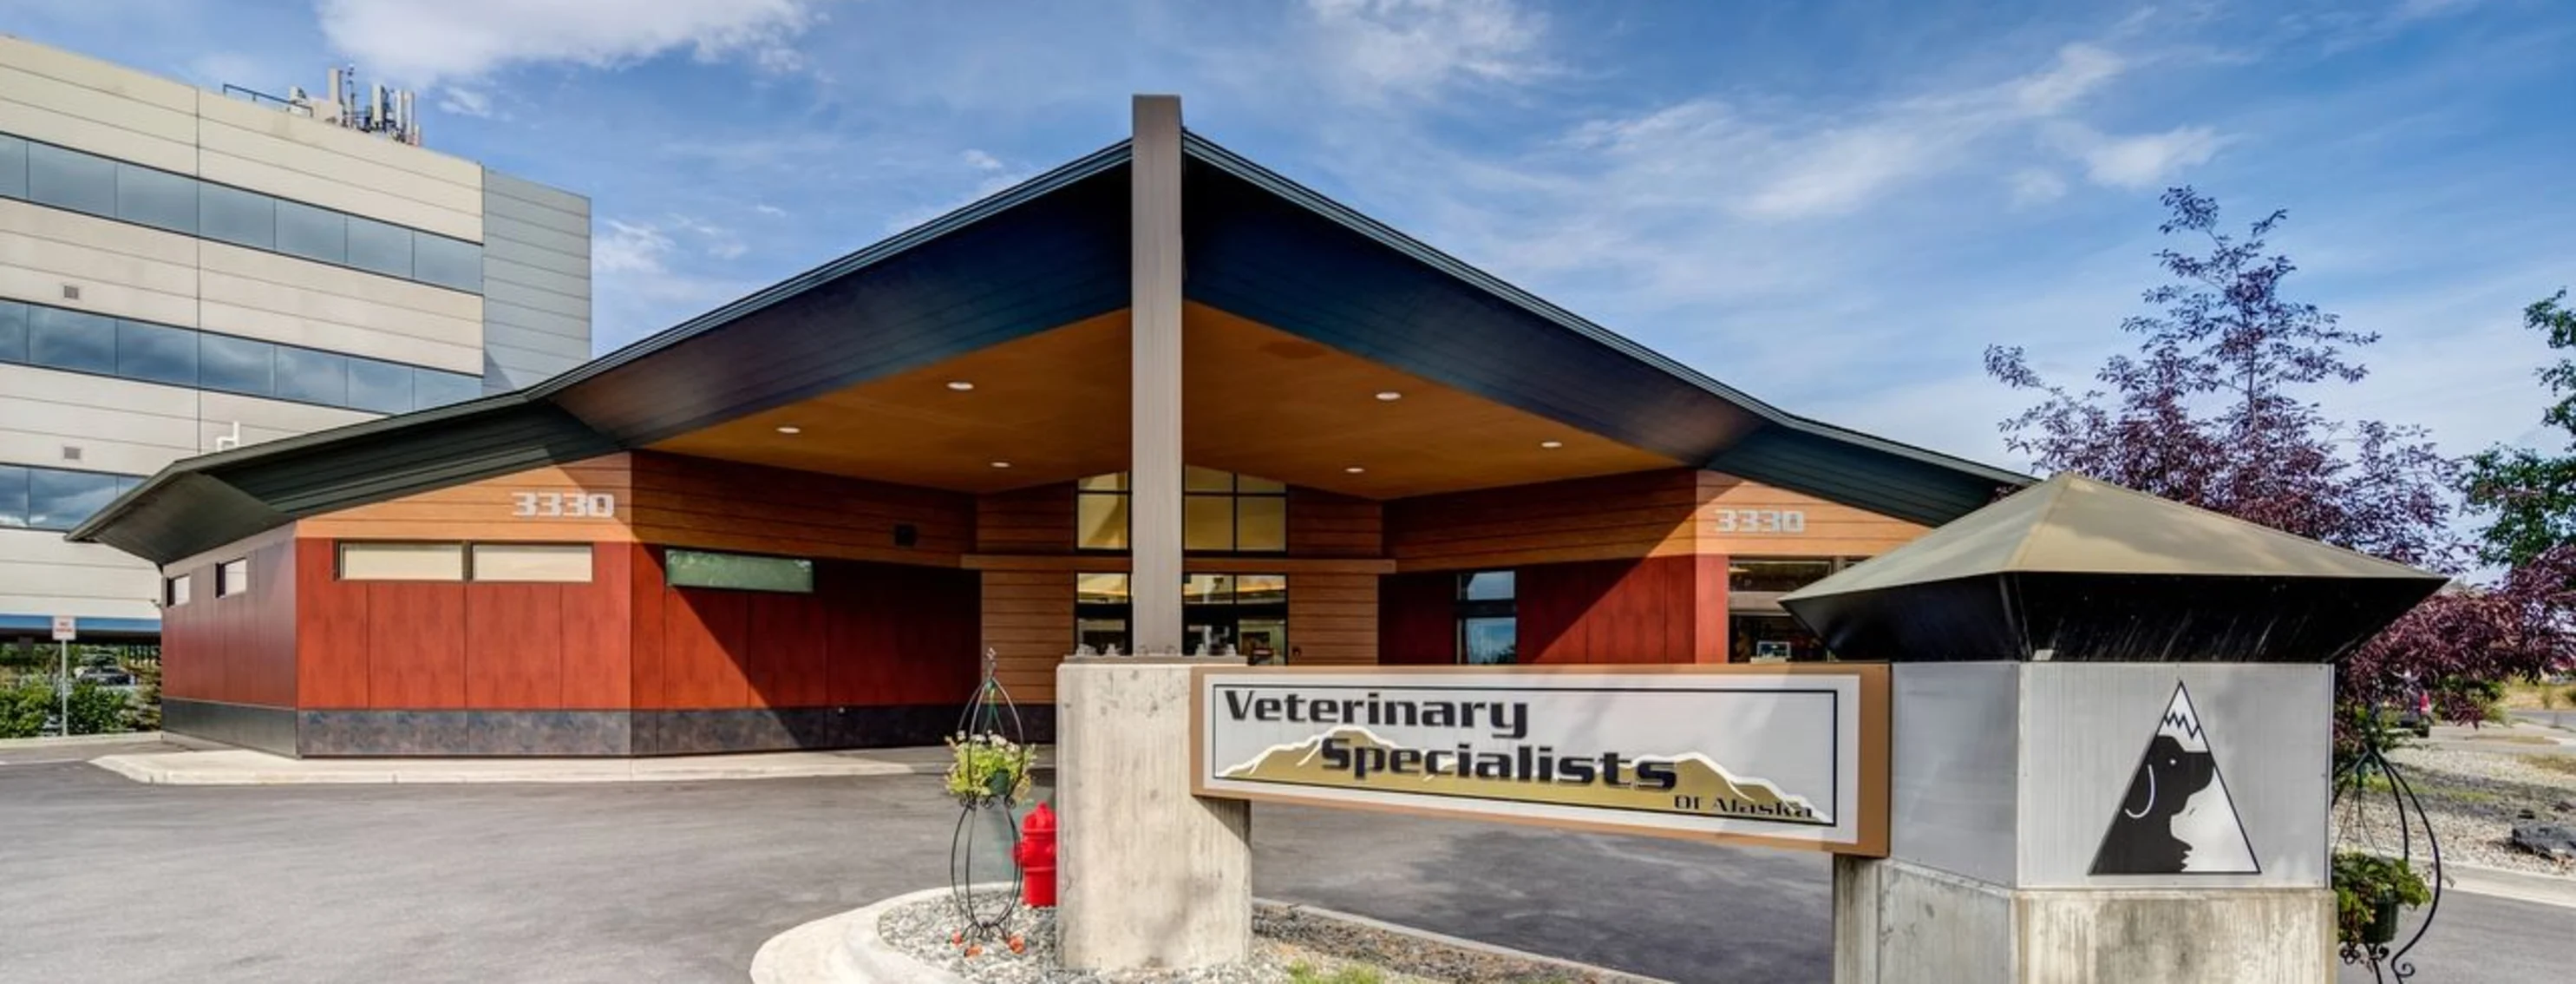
1781, 755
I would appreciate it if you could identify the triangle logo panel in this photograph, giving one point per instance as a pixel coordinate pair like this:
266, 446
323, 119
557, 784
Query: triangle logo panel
2177, 818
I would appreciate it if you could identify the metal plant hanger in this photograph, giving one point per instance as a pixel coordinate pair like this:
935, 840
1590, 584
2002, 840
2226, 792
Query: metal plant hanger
2353, 801
990, 714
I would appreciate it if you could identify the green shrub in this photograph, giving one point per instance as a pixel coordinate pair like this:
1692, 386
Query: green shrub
97, 710
24, 706
2362, 881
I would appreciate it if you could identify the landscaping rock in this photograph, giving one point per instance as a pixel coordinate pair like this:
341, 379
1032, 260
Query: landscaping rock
2548, 840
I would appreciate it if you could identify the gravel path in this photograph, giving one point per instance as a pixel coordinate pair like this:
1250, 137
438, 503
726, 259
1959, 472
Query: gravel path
2473, 799
1285, 937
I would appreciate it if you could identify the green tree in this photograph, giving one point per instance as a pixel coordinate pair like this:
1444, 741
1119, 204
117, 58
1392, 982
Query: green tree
2532, 495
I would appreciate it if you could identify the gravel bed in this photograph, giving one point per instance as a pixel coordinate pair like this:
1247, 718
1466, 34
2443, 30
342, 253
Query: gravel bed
1283, 937
2473, 800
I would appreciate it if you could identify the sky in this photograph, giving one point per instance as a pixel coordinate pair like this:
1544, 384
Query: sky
1834, 206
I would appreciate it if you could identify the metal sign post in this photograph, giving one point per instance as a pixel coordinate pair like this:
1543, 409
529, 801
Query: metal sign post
65, 627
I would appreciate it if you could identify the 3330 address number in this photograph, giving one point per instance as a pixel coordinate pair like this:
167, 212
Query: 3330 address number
1760, 520
566, 505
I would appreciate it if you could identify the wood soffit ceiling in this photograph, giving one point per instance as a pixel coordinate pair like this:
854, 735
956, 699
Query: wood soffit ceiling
1256, 400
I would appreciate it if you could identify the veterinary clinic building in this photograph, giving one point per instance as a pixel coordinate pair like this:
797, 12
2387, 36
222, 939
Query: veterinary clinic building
799, 520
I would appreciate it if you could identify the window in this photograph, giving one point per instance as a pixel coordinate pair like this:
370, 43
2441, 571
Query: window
566, 563
175, 592
1488, 618
1220, 512
13, 497
378, 247
451, 263
155, 353
1775, 575
232, 577
360, 561
309, 376
158, 199
75, 340
432, 388
1246, 611
87, 183
13, 167
238, 217
71, 179
236, 365
13, 332
312, 233
1757, 628
379, 386
739, 572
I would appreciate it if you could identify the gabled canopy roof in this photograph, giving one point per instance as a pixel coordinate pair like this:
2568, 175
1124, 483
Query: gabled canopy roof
1051, 252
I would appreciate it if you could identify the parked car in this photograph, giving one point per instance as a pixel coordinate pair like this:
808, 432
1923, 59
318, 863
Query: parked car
105, 677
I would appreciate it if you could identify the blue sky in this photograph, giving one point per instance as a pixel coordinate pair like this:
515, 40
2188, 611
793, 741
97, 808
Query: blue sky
1832, 205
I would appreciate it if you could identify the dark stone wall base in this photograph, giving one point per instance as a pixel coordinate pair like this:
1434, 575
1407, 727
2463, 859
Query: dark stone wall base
268, 729
501, 734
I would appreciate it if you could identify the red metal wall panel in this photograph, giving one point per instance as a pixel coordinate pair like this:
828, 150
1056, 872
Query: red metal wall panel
646, 595
1417, 617
415, 644
514, 646
1620, 611
330, 631
704, 647
237, 648
790, 650
598, 673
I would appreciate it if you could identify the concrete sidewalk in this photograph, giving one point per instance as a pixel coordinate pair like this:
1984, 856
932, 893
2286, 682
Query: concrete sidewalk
242, 767
2520, 886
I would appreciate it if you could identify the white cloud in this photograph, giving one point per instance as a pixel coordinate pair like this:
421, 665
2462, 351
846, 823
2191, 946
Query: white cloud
980, 160
418, 43
770, 210
629, 248
2143, 161
2035, 186
1382, 47
2080, 69
464, 101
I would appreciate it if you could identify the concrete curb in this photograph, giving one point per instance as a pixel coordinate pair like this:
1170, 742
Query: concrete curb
845, 948
1459, 942
118, 738
2520, 886
242, 767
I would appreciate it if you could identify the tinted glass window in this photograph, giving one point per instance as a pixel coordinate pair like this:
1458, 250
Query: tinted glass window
313, 377
379, 247
1486, 586
432, 388
59, 500
13, 332
740, 572
236, 365
237, 216
447, 262
156, 198
13, 497
379, 386
13, 167
312, 233
71, 340
156, 353
71, 179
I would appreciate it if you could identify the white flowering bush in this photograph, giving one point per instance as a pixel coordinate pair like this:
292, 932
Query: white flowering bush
987, 768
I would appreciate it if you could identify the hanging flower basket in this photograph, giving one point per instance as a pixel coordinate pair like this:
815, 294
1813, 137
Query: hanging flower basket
987, 770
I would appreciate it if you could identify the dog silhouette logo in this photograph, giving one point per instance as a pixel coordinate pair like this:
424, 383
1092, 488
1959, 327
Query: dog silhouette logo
2177, 818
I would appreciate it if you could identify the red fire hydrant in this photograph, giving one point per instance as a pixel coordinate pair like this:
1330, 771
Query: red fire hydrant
1035, 854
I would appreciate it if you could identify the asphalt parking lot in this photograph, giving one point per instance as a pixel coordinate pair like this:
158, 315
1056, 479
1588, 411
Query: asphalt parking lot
112, 881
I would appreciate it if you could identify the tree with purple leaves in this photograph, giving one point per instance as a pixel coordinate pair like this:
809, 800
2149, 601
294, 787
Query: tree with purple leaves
2216, 409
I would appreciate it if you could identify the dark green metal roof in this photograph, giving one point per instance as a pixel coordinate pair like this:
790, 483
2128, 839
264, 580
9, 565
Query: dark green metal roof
1047, 252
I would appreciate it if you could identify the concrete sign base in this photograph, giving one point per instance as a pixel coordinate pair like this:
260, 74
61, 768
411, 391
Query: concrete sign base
2099, 822
1149, 876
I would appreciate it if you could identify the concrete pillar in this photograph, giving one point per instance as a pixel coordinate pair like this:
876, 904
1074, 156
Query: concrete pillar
2091, 823
1148, 875
1154, 409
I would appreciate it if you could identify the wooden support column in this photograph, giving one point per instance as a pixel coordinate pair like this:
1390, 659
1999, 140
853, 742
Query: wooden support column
1154, 412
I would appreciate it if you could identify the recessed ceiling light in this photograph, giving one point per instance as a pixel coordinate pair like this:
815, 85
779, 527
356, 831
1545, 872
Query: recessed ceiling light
1001, 464
1389, 396
960, 385
1354, 469
1551, 445
790, 429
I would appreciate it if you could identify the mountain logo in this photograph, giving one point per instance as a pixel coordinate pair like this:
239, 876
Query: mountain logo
1710, 790
2177, 817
